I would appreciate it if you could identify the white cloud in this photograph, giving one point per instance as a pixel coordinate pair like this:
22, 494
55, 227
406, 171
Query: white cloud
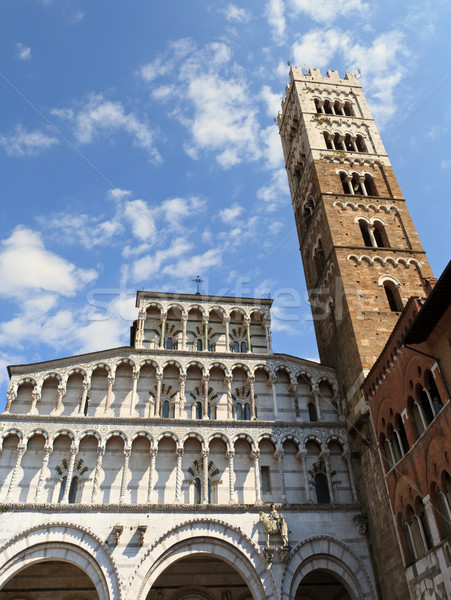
329, 10
318, 46
81, 228
26, 265
118, 194
272, 148
235, 14
153, 264
141, 218
445, 164
275, 194
213, 102
99, 116
26, 143
228, 215
174, 210
275, 14
195, 264
23, 52
77, 17
273, 101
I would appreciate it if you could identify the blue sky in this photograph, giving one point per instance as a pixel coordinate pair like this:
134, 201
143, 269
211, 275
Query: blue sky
138, 149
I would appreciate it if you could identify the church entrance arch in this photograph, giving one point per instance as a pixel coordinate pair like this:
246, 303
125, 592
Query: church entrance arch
322, 585
65, 550
206, 547
200, 577
50, 579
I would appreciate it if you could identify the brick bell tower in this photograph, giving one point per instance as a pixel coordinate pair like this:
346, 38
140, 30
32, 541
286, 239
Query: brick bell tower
362, 255
362, 261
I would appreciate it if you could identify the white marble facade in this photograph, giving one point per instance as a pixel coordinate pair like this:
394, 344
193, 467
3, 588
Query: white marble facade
124, 462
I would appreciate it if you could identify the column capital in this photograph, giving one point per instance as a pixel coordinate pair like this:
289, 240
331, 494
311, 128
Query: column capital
182, 378
226, 319
254, 455
160, 377
179, 452
251, 379
73, 449
127, 452
302, 454
142, 314
100, 451
205, 453
230, 454
110, 381
153, 452
135, 375
247, 320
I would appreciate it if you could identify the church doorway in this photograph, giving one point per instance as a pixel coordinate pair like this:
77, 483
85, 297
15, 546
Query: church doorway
200, 577
321, 585
50, 580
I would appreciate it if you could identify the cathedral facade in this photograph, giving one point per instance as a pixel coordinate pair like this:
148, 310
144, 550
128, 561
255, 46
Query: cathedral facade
194, 464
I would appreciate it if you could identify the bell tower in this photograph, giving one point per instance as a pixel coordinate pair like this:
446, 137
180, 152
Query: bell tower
361, 253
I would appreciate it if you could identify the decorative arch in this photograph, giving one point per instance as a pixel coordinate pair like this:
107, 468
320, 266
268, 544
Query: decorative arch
207, 536
36, 432
384, 278
66, 542
339, 560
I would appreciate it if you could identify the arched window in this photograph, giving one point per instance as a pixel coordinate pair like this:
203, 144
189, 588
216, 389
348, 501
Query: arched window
443, 503
348, 109
338, 108
393, 297
424, 524
402, 434
329, 144
386, 452
312, 414
169, 343
397, 454
360, 143
370, 186
364, 228
322, 489
62, 488
86, 406
356, 185
243, 347
415, 412
199, 344
318, 105
307, 212
197, 491
239, 412
380, 235
346, 183
425, 405
434, 393
165, 411
407, 537
349, 143
198, 410
73, 490
247, 412
236, 347
328, 107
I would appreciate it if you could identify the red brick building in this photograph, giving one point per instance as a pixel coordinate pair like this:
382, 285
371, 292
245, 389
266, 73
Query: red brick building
408, 393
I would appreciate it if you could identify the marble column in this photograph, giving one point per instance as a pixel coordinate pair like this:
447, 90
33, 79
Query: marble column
267, 323
139, 340
302, 454
97, 474
135, 378
163, 328
205, 455
158, 395
255, 456
10, 397
184, 323
251, 380
35, 397
325, 454
124, 479
42, 473
227, 333
153, 458
206, 334
248, 334
21, 449
283, 493
109, 393
84, 397
59, 403
274, 397
178, 475
228, 381
230, 456
206, 389
181, 407
70, 473
422, 417
315, 394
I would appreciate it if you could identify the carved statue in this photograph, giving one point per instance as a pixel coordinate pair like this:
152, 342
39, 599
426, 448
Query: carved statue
274, 523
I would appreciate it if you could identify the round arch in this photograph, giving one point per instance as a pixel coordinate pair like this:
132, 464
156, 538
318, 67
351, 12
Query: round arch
62, 542
204, 536
339, 560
